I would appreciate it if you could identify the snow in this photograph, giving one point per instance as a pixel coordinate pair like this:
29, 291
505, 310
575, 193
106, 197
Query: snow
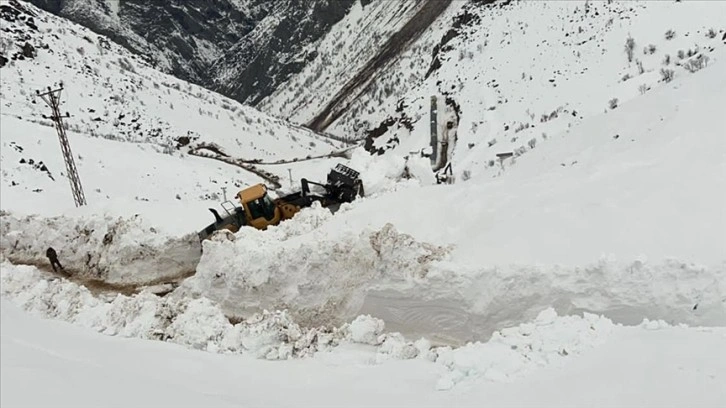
118, 251
339, 55
366, 329
113, 96
611, 232
669, 366
588, 269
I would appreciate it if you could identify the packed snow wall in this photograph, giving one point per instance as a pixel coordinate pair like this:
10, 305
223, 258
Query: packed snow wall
292, 266
420, 289
113, 250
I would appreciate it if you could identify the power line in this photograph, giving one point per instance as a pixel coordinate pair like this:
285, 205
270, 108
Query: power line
52, 98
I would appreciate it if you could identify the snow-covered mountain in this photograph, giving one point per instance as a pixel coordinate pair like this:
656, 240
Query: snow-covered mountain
601, 241
120, 104
516, 73
241, 48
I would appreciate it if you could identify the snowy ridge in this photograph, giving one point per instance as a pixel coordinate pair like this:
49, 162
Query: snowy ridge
419, 290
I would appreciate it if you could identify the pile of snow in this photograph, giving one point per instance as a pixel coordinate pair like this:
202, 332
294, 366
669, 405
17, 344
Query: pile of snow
119, 250
321, 280
417, 291
515, 351
196, 323
366, 329
200, 324
193, 322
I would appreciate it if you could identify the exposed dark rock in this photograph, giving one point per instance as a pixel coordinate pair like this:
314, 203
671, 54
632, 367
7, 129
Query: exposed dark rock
28, 50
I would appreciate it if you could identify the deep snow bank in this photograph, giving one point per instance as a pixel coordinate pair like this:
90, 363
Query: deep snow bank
200, 324
196, 323
115, 250
419, 290
293, 266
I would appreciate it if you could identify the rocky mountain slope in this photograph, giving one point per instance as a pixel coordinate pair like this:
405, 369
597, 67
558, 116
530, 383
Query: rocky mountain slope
241, 48
506, 75
150, 127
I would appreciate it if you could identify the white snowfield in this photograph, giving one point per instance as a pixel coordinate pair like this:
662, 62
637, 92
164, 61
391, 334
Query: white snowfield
589, 271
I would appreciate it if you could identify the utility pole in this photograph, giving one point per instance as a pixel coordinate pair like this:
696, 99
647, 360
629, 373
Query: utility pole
52, 98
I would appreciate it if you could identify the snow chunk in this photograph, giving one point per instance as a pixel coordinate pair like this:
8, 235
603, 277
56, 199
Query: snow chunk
515, 351
201, 326
366, 329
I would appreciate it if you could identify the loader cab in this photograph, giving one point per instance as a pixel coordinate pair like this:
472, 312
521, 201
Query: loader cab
259, 208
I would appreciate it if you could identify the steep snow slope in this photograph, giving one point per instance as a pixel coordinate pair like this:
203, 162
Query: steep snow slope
517, 72
111, 93
623, 214
340, 55
129, 127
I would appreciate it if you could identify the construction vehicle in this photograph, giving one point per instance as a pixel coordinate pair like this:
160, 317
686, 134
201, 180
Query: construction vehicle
257, 209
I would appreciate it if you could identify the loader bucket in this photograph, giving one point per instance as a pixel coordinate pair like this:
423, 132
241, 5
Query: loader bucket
345, 183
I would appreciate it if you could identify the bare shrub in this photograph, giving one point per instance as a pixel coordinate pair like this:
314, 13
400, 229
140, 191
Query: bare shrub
613, 103
667, 74
670, 34
629, 48
532, 143
520, 127
649, 50
696, 64
667, 60
643, 88
711, 33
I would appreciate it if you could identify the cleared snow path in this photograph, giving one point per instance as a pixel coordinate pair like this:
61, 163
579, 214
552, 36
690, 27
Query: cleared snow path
120, 251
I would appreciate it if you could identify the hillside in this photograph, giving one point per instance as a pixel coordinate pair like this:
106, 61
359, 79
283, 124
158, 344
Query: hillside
239, 48
587, 266
131, 127
500, 98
